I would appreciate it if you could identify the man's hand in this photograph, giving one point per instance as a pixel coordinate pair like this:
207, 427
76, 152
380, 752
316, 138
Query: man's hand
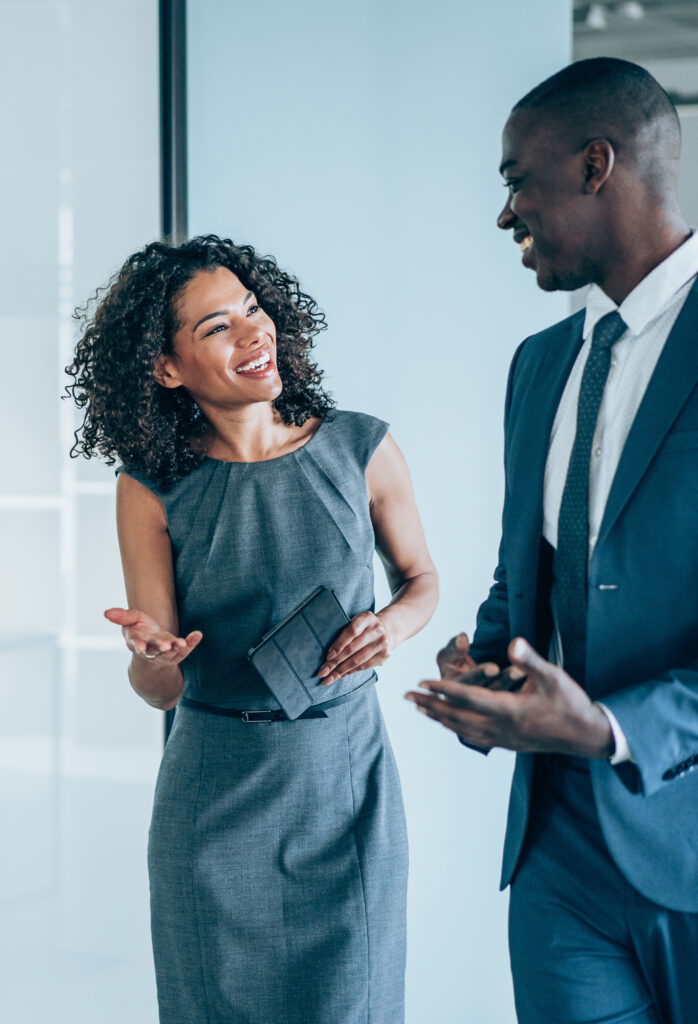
550, 712
454, 659
454, 662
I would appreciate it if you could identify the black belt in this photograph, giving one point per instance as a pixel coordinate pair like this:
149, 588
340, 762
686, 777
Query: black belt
272, 714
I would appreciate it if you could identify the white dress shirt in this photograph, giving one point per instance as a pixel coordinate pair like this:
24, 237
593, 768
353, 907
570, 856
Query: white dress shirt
650, 311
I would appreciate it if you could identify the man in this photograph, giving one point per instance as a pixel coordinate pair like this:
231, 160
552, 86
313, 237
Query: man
598, 566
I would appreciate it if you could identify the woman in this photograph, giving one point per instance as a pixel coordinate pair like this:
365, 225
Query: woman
277, 854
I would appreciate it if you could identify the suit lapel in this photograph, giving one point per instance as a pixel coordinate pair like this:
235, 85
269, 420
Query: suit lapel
671, 384
540, 399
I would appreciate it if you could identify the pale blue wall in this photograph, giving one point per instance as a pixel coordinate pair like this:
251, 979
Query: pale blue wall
359, 143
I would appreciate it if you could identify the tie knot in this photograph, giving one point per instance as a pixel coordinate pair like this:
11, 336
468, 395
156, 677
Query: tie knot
608, 330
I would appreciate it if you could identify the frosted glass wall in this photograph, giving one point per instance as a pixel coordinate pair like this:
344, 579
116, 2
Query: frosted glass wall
78, 750
359, 143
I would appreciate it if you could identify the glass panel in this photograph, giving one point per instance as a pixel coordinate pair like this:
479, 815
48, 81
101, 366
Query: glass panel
78, 750
29, 776
31, 464
29, 555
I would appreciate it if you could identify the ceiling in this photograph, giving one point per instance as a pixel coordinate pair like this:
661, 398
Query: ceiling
642, 30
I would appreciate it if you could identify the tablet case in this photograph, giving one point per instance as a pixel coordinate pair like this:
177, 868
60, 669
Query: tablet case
289, 655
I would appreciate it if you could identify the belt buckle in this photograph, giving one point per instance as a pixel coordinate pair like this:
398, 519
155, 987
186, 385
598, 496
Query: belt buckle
258, 716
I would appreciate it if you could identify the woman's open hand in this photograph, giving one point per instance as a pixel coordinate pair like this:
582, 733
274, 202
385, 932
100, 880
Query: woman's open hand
364, 643
148, 641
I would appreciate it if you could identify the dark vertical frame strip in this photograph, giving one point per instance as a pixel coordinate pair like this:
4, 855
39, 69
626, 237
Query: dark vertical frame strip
173, 119
173, 139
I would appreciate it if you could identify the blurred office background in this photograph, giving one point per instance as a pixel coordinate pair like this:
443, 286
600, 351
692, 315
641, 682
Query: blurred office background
359, 144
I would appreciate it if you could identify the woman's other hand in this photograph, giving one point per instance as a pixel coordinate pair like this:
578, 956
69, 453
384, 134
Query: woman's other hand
364, 643
148, 641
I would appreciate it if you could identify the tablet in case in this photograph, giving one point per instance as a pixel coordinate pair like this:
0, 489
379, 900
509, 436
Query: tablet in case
289, 655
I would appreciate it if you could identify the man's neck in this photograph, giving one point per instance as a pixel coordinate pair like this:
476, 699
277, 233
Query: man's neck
640, 255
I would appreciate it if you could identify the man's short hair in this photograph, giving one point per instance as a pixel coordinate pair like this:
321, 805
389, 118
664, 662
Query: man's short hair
605, 96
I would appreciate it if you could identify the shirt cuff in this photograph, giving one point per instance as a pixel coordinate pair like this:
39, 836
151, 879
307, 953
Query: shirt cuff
622, 752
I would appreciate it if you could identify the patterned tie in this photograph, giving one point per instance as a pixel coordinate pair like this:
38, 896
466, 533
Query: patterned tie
572, 555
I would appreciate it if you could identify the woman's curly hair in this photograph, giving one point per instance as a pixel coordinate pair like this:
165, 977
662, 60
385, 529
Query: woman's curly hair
128, 325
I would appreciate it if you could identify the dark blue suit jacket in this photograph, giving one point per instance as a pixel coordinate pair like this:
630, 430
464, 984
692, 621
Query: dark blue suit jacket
642, 636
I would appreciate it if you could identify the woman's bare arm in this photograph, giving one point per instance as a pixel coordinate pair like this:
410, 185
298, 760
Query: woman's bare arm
149, 625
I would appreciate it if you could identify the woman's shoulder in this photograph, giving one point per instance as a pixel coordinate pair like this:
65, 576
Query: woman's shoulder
141, 477
138, 475
358, 421
357, 433
166, 495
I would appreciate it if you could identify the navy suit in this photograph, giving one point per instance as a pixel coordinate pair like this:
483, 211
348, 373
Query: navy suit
642, 617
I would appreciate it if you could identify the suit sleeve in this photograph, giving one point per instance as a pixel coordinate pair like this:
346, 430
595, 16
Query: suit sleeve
660, 720
492, 632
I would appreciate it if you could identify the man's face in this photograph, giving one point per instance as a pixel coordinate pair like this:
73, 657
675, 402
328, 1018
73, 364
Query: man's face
547, 208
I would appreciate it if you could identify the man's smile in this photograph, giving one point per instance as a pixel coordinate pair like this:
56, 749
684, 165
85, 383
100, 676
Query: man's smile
523, 238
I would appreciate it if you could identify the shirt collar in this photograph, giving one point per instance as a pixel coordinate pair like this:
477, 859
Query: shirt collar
649, 298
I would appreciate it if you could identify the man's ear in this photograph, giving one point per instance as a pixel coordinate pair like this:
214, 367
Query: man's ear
165, 372
599, 161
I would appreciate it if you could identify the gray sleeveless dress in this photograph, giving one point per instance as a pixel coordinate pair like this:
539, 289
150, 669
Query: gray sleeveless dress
278, 851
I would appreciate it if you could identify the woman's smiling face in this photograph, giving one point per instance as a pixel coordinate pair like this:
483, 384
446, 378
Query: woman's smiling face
224, 346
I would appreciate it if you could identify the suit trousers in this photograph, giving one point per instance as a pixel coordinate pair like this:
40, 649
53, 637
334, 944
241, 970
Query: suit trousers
586, 947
